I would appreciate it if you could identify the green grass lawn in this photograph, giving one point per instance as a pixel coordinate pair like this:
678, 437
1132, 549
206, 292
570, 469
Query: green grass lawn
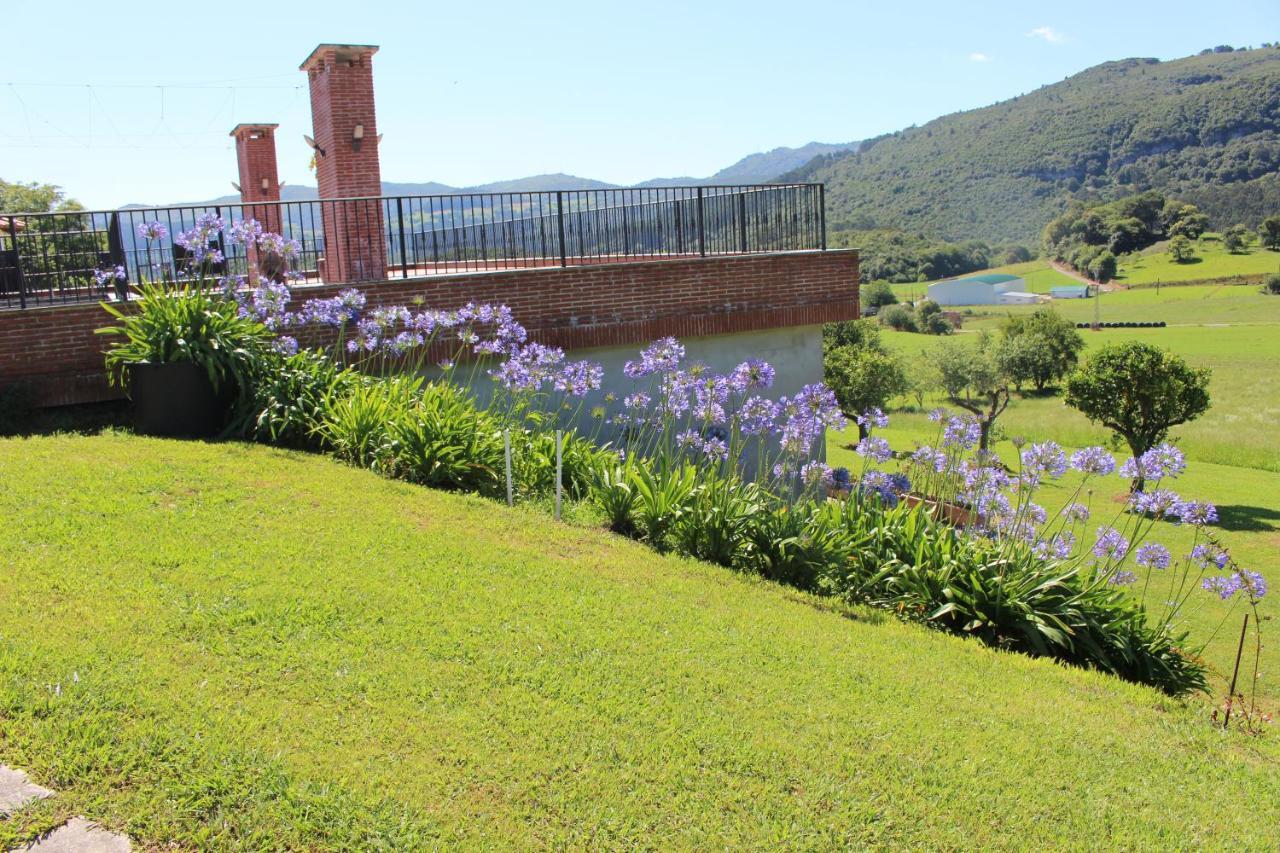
217, 646
1212, 261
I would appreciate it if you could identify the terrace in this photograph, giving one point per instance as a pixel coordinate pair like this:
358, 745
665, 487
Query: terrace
53, 258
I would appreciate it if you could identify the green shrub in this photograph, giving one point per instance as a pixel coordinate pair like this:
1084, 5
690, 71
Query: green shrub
900, 318
613, 491
799, 544
439, 438
357, 424
878, 294
288, 397
662, 497
715, 526
1272, 284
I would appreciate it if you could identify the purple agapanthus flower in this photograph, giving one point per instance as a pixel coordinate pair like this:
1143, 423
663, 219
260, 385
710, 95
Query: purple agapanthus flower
152, 230
1045, 458
874, 448
1153, 555
873, 418
1076, 512
1093, 461
1197, 513
1155, 503
1111, 544
752, 375
1205, 555
1125, 578
817, 475
961, 432
660, 356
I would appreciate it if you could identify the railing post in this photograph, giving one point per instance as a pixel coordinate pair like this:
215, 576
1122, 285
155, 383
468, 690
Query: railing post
822, 213
742, 222
17, 262
404, 247
564, 261
702, 231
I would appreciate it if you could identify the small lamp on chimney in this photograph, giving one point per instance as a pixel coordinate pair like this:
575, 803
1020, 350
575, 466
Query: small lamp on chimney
357, 137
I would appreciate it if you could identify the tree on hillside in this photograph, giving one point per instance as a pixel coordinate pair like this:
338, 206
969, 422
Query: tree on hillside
1180, 249
1140, 392
974, 379
1236, 238
1188, 222
1103, 267
1269, 231
1040, 348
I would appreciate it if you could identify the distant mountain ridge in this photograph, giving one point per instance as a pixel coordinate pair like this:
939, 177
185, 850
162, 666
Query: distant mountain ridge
756, 168
1205, 129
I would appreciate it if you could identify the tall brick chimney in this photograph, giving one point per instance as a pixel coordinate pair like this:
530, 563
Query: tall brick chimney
345, 130
259, 177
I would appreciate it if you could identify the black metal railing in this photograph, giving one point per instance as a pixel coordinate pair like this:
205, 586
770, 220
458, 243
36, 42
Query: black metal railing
53, 258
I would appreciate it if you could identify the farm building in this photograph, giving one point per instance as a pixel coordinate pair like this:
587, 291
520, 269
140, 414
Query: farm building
975, 289
1077, 292
1016, 297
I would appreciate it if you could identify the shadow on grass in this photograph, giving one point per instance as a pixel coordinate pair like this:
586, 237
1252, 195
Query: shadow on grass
1255, 519
18, 418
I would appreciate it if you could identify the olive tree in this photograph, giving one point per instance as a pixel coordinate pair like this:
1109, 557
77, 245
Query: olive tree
974, 379
1040, 348
1140, 392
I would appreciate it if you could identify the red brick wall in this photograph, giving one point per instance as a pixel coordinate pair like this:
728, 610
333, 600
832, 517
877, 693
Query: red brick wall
587, 306
340, 79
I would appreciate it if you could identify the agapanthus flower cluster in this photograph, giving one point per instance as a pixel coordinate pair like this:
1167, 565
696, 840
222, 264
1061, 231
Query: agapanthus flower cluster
1110, 545
1252, 584
961, 432
110, 275
196, 240
1045, 458
1160, 462
1094, 461
152, 231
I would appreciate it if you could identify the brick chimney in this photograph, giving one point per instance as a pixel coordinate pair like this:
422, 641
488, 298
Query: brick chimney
259, 177
340, 77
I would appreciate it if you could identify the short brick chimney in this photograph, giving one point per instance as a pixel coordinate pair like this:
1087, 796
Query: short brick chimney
259, 176
345, 130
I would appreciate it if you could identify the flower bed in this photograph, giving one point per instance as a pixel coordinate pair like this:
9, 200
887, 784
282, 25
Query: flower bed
709, 465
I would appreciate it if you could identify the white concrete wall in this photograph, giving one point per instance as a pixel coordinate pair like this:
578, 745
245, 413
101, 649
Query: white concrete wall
795, 353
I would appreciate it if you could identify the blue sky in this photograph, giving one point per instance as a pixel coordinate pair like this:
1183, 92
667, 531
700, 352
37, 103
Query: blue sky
474, 92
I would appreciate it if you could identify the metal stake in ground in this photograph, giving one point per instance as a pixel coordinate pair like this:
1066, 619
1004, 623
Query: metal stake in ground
559, 467
1231, 694
506, 450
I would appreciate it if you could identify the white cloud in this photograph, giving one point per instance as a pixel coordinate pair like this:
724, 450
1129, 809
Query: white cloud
979, 57
1049, 34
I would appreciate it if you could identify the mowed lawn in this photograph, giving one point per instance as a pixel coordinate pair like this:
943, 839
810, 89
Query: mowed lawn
217, 645
1233, 449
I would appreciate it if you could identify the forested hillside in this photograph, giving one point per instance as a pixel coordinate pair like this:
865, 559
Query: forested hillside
1205, 129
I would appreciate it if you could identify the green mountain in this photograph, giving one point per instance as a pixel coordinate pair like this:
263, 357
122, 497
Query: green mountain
1205, 129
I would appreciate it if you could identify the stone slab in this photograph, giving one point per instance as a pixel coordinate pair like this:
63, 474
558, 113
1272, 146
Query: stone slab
79, 836
16, 790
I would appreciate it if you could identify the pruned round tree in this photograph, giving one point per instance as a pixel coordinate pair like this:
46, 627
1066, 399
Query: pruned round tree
1140, 392
864, 377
